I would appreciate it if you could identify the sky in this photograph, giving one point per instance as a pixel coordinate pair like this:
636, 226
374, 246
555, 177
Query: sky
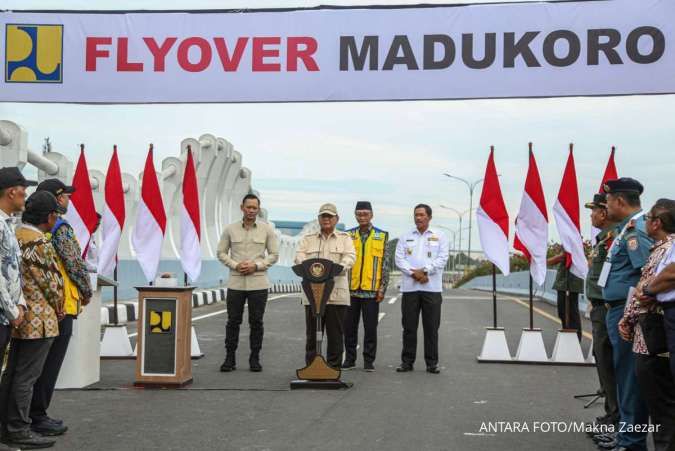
391, 153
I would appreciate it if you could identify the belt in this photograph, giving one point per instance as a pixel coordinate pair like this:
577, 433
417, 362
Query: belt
611, 304
596, 302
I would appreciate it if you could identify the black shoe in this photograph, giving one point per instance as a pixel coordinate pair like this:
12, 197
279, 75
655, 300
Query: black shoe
607, 437
369, 367
607, 445
404, 368
348, 365
228, 365
433, 369
4, 447
27, 440
254, 365
47, 428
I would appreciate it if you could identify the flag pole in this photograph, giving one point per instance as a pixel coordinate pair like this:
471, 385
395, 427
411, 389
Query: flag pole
531, 305
494, 296
115, 319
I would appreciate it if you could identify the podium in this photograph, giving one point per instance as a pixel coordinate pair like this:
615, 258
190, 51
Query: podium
82, 366
317, 282
164, 336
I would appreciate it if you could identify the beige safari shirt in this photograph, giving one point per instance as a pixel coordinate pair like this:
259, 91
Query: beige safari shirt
339, 248
258, 244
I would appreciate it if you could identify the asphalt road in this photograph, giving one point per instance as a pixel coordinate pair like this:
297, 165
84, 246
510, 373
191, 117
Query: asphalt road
384, 410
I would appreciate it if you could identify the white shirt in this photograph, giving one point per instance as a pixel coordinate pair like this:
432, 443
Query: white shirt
428, 251
668, 296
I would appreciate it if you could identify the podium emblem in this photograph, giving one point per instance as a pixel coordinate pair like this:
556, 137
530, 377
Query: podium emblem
317, 269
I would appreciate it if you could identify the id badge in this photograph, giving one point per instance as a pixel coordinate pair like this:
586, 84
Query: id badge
604, 274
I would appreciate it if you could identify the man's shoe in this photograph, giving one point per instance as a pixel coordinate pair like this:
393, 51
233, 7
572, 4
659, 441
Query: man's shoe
348, 365
369, 367
433, 369
47, 428
4, 447
608, 437
404, 368
254, 365
228, 365
27, 440
608, 445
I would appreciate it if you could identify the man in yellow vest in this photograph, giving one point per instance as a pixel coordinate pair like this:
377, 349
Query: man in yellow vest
368, 283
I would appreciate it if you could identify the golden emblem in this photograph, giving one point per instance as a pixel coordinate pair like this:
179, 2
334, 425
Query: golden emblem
317, 269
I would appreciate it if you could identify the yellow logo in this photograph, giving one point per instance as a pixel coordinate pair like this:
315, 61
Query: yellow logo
33, 53
160, 322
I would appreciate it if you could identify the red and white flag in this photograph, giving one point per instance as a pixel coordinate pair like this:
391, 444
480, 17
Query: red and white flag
610, 174
148, 232
190, 228
566, 213
532, 224
81, 214
112, 221
493, 219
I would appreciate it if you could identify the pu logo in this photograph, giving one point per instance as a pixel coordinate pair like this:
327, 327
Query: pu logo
33, 53
160, 322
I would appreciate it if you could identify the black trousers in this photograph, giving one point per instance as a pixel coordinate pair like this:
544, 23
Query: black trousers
5, 335
370, 310
332, 324
429, 304
575, 318
669, 322
24, 366
604, 360
658, 390
257, 300
44, 387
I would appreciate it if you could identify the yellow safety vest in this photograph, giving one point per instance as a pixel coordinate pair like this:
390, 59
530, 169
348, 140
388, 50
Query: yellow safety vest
366, 273
72, 303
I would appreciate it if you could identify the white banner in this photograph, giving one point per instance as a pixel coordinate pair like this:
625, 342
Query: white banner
588, 48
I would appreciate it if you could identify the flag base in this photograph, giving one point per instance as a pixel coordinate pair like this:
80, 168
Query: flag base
567, 348
495, 348
116, 344
195, 351
531, 347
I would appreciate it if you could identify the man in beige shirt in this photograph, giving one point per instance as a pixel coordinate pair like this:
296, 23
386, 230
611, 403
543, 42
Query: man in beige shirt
338, 247
248, 248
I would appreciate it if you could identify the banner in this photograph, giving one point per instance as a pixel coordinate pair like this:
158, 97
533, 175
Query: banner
326, 54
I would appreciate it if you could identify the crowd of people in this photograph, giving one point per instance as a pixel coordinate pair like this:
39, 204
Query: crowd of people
631, 289
44, 284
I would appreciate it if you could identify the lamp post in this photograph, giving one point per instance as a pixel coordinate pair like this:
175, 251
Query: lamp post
471, 186
460, 216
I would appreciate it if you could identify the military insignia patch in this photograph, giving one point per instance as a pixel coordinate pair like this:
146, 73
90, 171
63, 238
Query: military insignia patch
632, 244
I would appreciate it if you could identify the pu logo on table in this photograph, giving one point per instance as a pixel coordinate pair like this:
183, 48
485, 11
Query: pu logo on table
33, 53
160, 322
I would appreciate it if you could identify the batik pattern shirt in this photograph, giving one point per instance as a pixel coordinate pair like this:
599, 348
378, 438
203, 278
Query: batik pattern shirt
42, 285
11, 295
68, 249
635, 307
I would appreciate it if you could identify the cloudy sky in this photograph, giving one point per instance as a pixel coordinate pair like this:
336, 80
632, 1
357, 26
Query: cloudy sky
391, 153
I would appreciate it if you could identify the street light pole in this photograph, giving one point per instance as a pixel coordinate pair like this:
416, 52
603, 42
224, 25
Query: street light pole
471, 186
460, 215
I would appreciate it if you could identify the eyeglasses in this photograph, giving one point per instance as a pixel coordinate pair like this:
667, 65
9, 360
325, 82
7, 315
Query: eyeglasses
651, 217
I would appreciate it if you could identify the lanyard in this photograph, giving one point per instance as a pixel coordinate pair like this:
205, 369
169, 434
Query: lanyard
607, 266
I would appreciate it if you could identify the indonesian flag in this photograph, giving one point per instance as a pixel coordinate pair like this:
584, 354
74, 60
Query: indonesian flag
610, 174
493, 219
150, 225
190, 230
81, 214
112, 221
532, 223
566, 213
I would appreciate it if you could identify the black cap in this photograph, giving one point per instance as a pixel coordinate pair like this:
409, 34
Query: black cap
55, 186
623, 185
12, 176
363, 205
599, 201
43, 202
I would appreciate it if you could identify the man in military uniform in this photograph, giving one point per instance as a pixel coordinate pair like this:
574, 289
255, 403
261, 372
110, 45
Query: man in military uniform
602, 347
568, 287
337, 246
627, 255
368, 283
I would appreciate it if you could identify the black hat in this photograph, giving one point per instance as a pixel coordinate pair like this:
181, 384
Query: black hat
599, 201
55, 186
43, 202
12, 176
363, 205
623, 185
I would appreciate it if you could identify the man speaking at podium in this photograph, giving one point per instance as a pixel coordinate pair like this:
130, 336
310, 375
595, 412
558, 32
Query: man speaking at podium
336, 246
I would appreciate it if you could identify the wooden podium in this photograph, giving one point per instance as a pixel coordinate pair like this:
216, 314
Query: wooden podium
163, 344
